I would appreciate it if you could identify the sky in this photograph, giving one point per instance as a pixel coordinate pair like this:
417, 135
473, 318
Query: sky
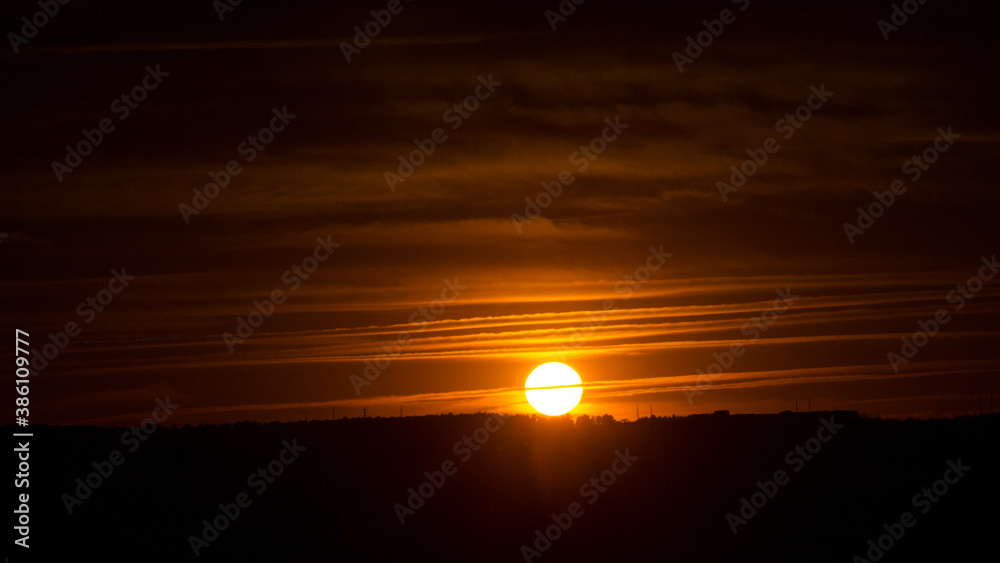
648, 258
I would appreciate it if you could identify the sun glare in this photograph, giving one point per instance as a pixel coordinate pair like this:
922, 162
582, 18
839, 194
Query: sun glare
553, 389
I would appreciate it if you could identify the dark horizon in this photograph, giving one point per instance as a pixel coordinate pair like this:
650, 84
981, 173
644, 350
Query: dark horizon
317, 416
459, 488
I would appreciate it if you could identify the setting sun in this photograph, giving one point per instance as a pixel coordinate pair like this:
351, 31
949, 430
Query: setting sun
553, 389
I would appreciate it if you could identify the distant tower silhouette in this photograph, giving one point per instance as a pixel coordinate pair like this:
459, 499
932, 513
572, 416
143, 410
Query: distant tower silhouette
364, 413
637, 411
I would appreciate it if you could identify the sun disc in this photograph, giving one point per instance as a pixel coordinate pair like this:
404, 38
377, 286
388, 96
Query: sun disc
553, 388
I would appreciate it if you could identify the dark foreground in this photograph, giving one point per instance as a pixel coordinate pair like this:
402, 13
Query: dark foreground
337, 490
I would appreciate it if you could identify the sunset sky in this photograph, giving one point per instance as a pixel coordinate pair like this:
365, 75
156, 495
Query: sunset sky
560, 288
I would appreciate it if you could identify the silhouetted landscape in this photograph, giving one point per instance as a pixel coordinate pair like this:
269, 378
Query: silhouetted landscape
336, 499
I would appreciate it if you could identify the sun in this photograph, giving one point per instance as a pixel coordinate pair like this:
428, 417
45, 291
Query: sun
553, 388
